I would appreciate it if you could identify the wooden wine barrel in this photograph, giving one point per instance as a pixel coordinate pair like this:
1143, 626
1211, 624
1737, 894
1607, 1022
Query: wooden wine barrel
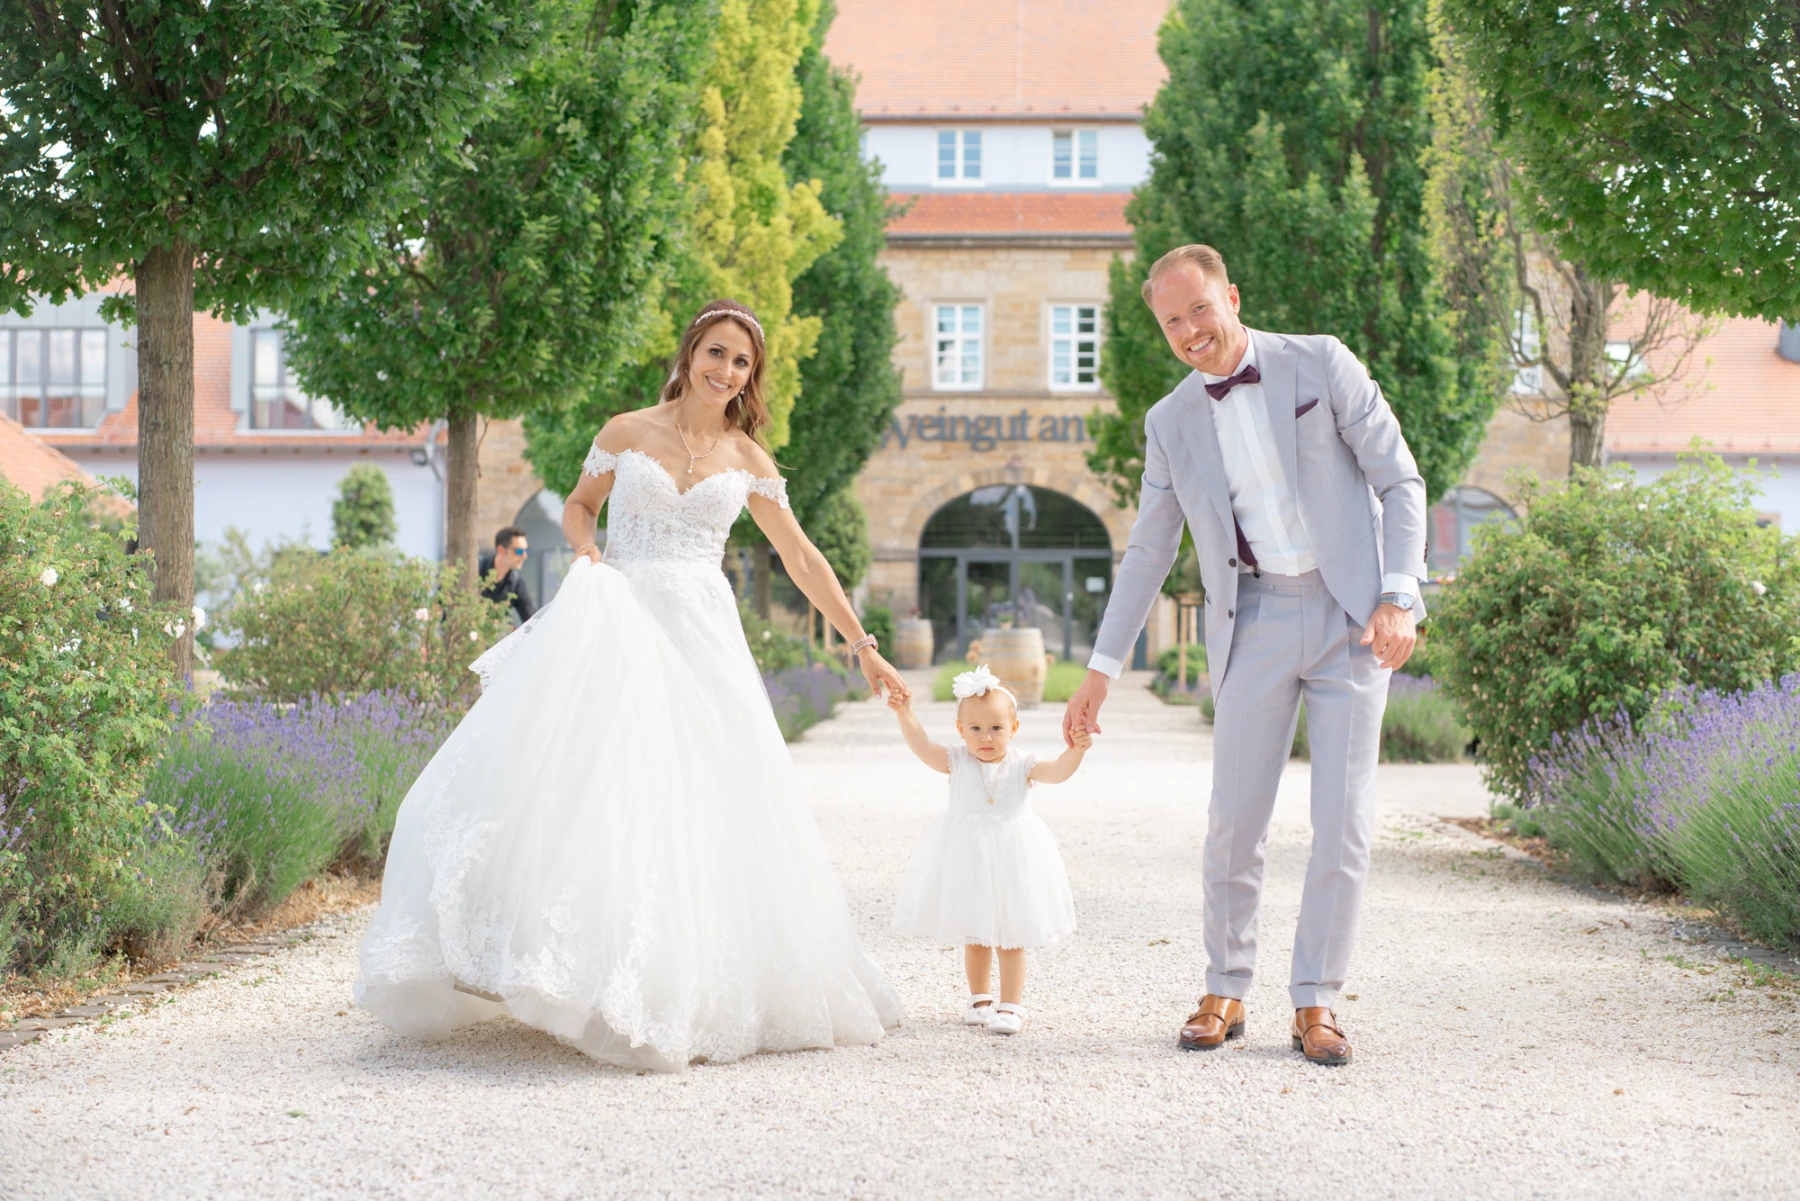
1017, 657
912, 643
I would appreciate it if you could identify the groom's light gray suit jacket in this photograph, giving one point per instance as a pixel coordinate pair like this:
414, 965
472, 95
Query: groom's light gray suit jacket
1357, 487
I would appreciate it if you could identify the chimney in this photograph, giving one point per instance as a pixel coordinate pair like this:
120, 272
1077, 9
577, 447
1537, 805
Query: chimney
1789, 345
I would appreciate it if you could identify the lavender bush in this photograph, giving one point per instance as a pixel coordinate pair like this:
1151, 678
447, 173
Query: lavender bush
804, 696
264, 796
1703, 795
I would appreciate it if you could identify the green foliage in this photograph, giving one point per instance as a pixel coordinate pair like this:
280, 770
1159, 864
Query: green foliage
1608, 594
360, 621
533, 257
1736, 851
840, 529
1060, 681
878, 620
849, 387
1294, 140
263, 138
1422, 725
363, 513
1661, 141
86, 695
773, 650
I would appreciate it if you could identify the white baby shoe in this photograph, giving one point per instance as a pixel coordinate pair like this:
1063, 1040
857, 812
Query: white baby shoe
1008, 1018
978, 1014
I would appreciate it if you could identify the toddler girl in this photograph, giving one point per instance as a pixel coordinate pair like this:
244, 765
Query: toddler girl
988, 874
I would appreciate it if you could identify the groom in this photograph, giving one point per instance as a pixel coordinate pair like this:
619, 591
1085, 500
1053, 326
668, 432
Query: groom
1308, 515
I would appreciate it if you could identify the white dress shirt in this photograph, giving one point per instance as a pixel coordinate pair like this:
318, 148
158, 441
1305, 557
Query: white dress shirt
1266, 509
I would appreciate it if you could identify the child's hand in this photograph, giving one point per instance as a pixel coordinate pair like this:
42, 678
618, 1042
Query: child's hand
1081, 739
900, 703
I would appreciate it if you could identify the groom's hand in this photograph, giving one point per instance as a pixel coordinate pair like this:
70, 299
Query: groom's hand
1392, 633
1083, 713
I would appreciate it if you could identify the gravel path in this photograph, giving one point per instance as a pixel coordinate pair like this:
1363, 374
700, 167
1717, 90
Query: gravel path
1514, 1036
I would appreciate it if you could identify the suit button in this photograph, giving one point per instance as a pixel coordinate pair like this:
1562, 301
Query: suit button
1230, 613
1231, 562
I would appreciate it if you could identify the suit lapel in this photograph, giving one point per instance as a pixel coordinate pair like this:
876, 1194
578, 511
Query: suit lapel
1280, 391
1201, 440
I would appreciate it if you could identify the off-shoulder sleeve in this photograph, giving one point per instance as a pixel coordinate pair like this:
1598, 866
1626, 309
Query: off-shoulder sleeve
599, 462
774, 489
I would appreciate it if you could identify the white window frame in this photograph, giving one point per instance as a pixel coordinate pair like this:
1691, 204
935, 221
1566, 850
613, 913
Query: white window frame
1072, 339
86, 346
1075, 135
284, 389
962, 343
966, 148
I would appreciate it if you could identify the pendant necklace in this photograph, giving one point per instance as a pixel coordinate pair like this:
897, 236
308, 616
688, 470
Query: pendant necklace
692, 457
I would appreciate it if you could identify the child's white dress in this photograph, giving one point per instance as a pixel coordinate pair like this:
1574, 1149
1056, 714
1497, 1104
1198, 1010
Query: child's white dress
988, 871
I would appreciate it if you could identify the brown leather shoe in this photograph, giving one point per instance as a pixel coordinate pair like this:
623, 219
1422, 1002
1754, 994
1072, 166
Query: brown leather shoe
1316, 1035
1217, 1020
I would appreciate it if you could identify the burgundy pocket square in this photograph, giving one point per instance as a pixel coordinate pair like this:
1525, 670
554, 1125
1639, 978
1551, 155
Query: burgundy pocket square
1306, 408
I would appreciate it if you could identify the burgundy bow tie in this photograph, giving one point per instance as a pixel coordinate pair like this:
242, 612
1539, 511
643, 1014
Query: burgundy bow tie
1249, 375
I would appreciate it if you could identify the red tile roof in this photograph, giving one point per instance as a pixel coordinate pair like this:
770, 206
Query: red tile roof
1737, 393
32, 467
990, 214
927, 59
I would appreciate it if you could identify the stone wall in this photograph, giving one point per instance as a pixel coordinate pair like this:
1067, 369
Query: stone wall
1515, 440
506, 481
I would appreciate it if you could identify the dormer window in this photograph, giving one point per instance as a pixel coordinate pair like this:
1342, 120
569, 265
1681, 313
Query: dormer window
959, 155
1075, 156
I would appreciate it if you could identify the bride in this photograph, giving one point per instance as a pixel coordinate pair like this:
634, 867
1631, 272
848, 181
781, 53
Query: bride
612, 846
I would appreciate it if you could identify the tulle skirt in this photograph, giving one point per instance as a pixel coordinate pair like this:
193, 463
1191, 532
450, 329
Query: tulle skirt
997, 882
613, 848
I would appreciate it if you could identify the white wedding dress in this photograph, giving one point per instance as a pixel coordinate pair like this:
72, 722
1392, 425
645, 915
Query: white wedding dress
613, 845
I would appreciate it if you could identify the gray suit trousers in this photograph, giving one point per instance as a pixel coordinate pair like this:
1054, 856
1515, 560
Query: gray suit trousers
1292, 640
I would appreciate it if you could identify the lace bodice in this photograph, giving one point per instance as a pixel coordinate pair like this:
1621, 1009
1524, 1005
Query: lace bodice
649, 519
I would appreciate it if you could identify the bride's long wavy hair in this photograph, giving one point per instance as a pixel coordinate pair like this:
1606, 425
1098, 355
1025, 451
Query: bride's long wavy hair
747, 410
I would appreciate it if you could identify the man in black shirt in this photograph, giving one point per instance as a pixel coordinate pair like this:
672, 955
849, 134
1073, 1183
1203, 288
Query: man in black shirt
506, 560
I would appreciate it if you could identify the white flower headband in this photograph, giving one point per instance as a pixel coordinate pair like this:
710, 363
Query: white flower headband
979, 682
712, 315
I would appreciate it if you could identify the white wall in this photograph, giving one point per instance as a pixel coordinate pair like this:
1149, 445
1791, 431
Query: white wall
1014, 157
1778, 480
288, 494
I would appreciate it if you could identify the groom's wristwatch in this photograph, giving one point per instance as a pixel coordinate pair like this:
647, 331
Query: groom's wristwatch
1403, 601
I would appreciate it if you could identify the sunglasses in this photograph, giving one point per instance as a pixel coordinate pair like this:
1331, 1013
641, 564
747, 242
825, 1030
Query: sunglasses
520, 551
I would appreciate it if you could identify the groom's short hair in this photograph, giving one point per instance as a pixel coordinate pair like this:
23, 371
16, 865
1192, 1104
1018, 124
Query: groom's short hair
1201, 255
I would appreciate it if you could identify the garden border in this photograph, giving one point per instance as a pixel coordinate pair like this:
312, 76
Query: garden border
212, 964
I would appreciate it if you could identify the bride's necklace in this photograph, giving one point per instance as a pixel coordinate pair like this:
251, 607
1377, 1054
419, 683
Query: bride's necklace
692, 457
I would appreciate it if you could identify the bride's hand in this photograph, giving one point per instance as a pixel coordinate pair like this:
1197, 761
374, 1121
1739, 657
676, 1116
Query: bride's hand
880, 673
590, 552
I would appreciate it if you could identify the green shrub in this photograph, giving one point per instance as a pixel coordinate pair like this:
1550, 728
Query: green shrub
87, 691
1421, 724
879, 621
363, 513
840, 529
1607, 594
353, 622
1169, 662
773, 650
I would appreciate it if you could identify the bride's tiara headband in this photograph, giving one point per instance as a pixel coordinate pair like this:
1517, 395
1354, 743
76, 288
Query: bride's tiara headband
712, 315
979, 682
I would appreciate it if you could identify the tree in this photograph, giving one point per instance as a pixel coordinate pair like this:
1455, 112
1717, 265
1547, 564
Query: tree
533, 257
221, 155
787, 219
840, 529
1576, 339
363, 513
1292, 138
849, 387
1661, 140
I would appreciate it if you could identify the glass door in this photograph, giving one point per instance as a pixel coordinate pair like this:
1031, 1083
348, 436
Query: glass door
987, 596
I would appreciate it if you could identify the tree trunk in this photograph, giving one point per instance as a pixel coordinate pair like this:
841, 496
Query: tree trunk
1590, 305
165, 338
762, 567
461, 471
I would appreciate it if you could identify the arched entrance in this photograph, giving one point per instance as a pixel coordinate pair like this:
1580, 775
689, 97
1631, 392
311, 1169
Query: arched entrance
1019, 553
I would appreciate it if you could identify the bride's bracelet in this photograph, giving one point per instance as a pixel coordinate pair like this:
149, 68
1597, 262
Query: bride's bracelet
867, 641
